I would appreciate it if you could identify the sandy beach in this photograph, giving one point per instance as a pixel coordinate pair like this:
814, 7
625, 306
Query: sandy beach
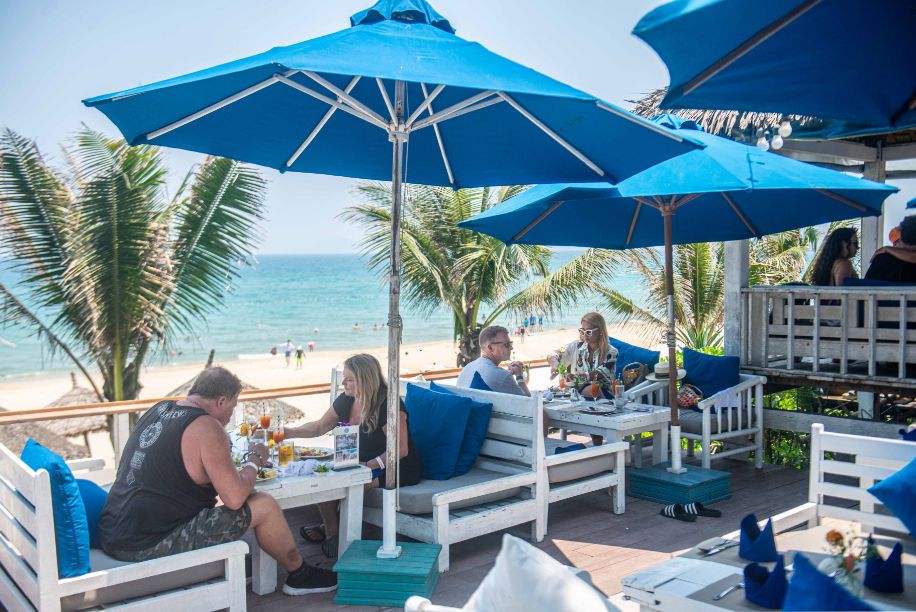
270, 372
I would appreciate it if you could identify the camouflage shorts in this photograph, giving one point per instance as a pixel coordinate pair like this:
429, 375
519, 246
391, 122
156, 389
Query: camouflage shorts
210, 527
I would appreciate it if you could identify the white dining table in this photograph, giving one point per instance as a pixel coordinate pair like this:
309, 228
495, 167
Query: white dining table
631, 420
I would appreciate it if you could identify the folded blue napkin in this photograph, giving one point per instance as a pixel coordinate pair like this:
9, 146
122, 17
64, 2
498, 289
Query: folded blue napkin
756, 545
908, 434
812, 590
885, 575
572, 447
765, 588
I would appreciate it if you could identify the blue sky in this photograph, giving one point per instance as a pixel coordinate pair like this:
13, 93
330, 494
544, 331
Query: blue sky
57, 52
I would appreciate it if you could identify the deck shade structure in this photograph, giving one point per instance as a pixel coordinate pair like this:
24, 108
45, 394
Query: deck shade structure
397, 85
846, 61
725, 191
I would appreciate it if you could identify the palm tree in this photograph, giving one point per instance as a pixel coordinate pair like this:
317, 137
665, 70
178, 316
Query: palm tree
462, 269
118, 267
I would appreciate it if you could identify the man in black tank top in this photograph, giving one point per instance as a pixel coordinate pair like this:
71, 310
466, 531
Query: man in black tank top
175, 464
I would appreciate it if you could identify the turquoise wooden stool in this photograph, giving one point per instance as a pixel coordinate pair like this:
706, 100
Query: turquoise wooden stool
364, 579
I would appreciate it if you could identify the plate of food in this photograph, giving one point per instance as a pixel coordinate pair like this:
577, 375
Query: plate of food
597, 410
265, 474
314, 452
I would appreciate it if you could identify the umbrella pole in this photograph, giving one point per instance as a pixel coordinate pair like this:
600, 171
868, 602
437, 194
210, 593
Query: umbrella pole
676, 468
398, 137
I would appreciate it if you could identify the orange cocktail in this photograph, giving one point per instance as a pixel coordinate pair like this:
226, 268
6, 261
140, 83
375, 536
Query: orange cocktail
562, 382
278, 435
595, 389
265, 421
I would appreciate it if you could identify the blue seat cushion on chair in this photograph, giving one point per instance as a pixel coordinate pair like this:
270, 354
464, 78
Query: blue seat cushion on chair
710, 373
896, 492
630, 353
71, 530
94, 498
813, 590
476, 432
437, 423
479, 383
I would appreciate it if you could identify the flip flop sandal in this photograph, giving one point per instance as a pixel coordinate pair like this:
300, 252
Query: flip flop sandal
313, 533
329, 547
700, 510
676, 511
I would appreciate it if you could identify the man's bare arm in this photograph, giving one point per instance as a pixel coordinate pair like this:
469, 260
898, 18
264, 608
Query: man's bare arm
206, 440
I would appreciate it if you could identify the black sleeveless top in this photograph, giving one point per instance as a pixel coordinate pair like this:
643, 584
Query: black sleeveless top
372, 443
153, 494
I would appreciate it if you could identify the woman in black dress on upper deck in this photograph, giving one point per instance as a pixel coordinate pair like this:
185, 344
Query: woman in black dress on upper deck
364, 402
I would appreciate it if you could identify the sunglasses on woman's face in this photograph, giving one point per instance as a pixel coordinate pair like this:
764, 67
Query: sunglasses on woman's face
588, 332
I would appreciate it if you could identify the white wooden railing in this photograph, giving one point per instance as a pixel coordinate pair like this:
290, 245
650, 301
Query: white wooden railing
846, 331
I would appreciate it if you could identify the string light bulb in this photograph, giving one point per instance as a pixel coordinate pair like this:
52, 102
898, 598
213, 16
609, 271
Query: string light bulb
777, 142
785, 129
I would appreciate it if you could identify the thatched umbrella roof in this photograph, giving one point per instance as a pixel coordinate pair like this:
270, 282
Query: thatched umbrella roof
253, 408
14, 437
79, 425
731, 124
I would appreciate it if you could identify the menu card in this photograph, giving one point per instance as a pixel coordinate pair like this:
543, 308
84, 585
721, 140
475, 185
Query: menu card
346, 446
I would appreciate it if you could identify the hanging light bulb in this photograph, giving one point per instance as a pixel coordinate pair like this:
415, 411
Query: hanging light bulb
785, 129
762, 144
776, 142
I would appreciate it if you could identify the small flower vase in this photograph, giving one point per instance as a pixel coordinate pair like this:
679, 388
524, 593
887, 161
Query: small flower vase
834, 567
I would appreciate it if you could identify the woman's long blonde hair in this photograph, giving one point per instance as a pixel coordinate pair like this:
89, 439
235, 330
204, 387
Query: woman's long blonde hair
594, 319
371, 390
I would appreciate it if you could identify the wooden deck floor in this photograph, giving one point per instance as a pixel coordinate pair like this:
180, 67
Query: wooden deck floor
584, 532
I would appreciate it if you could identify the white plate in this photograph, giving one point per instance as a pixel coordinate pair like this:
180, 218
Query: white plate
276, 473
597, 410
326, 454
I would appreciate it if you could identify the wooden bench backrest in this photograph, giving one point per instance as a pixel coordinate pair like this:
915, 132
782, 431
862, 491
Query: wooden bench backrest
873, 459
514, 439
28, 552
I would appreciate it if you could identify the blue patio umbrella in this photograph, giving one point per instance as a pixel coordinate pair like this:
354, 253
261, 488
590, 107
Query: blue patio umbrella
844, 60
725, 191
351, 102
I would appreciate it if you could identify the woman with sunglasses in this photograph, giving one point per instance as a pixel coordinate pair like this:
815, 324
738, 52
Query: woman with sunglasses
591, 357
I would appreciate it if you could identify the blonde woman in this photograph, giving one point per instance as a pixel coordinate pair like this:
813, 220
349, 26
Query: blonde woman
591, 357
364, 403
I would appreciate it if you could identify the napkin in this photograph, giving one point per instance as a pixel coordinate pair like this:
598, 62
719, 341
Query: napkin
885, 575
653, 577
757, 545
298, 468
812, 590
763, 587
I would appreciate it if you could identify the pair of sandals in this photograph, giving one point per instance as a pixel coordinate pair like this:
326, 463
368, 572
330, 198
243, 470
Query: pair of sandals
689, 512
315, 534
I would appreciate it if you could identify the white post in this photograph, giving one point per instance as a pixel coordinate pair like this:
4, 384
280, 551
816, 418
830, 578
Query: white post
873, 227
737, 266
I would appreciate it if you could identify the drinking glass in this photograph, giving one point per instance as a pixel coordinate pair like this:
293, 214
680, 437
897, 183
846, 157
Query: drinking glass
265, 419
286, 453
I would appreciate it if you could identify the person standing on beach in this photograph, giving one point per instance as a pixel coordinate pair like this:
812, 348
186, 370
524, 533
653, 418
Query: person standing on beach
311, 345
532, 321
316, 332
495, 347
540, 320
299, 353
288, 350
176, 462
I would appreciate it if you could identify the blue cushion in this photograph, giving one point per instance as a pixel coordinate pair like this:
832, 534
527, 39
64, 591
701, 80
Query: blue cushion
896, 492
94, 498
629, 353
710, 373
71, 531
437, 424
479, 383
475, 434
812, 590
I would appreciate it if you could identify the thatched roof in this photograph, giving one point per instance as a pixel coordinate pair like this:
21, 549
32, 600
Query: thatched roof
78, 425
731, 124
14, 437
253, 409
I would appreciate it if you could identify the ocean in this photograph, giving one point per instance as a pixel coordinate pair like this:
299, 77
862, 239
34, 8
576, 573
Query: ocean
287, 296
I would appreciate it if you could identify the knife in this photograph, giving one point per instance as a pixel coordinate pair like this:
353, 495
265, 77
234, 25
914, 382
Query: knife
719, 548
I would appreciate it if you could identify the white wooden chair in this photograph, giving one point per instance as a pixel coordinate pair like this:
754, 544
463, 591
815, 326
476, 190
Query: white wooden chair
208, 579
733, 417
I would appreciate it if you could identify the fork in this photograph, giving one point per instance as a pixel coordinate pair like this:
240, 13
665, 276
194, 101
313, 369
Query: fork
724, 593
719, 548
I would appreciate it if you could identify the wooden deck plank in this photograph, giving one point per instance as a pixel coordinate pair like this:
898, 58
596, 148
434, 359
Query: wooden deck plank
583, 531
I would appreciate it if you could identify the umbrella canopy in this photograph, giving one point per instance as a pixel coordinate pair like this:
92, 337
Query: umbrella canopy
252, 409
326, 106
844, 60
726, 191
736, 192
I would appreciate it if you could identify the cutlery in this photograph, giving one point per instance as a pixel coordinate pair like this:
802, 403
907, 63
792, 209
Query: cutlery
734, 587
719, 548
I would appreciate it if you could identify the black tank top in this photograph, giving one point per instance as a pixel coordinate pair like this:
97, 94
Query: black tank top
153, 493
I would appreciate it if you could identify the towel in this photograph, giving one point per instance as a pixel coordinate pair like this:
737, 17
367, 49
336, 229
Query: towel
726, 399
885, 575
298, 468
765, 588
812, 590
757, 545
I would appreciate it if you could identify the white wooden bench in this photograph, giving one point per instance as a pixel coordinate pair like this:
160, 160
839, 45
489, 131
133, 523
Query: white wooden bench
208, 579
739, 428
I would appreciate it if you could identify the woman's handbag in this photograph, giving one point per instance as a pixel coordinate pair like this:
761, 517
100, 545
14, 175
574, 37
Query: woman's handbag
688, 396
633, 373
